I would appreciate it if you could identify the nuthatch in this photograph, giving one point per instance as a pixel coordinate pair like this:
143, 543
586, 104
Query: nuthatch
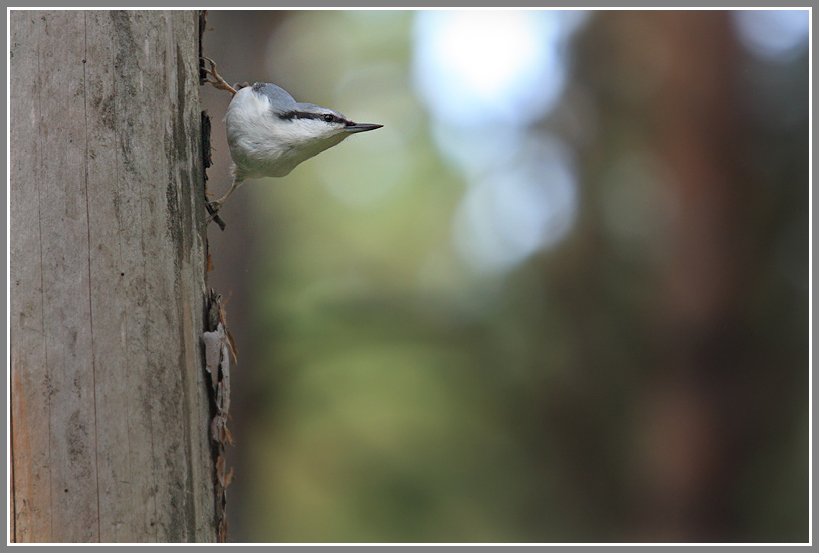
269, 132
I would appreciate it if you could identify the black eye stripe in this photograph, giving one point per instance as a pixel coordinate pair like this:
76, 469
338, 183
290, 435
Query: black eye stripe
295, 114
290, 115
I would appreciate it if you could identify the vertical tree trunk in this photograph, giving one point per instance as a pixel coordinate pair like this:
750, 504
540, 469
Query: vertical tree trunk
110, 409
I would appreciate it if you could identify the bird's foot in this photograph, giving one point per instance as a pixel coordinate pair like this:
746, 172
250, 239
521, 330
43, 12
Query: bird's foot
217, 81
213, 210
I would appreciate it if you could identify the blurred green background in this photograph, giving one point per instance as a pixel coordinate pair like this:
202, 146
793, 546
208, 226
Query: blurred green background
562, 296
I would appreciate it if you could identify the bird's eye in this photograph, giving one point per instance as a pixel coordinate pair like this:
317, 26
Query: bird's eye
329, 118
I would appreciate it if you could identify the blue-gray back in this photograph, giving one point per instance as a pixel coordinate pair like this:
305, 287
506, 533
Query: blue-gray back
279, 97
285, 105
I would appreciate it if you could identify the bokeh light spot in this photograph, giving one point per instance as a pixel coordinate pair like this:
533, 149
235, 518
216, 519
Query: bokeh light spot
511, 214
775, 35
476, 67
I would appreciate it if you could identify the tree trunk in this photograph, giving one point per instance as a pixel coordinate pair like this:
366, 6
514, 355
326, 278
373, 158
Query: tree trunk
109, 404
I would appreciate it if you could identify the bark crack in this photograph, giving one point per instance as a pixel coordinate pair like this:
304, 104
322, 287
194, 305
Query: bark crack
12, 506
42, 278
90, 288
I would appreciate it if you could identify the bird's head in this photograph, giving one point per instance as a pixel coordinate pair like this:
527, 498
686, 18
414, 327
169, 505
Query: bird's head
269, 133
309, 123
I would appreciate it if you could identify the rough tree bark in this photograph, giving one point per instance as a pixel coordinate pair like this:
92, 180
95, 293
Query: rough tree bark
110, 407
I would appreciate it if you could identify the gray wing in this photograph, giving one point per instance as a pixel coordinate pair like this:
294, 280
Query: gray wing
278, 96
283, 102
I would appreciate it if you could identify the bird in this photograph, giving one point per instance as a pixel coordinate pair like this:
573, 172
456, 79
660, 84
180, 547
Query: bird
269, 133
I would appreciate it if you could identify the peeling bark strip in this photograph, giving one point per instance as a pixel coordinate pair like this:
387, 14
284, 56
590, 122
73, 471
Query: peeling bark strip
110, 406
219, 347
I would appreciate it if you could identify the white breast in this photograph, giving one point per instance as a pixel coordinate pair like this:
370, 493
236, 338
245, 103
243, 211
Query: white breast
255, 145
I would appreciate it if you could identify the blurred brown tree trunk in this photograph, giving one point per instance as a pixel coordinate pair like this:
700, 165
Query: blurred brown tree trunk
717, 385
691, 469
109, 406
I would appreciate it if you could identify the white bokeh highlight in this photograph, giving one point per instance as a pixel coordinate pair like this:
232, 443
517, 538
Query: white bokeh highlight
508, 215
774, 35
477, 67
486, 77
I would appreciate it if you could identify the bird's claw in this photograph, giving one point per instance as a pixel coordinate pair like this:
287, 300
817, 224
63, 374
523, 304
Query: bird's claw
218, 81
213, 210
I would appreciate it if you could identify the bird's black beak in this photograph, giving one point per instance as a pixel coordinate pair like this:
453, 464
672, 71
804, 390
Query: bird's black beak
361, 127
